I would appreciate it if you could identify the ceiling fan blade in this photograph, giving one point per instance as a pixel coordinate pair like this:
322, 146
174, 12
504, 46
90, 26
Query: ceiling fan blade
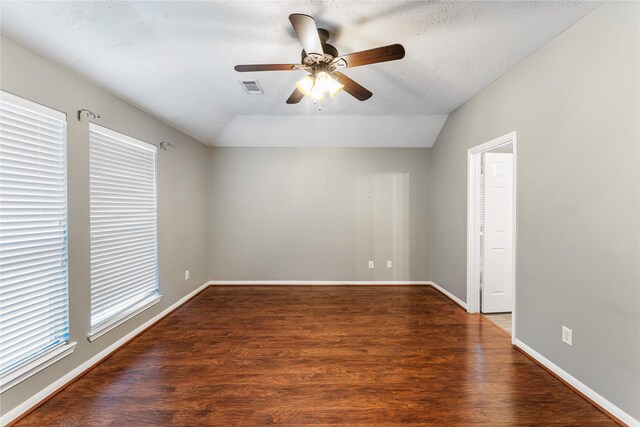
352, 88
295, 97
307, 32
265, 67
371, 56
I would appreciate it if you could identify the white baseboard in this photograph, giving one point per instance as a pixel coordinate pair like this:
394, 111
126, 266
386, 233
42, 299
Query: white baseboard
314, 282
70, 376
449, 294
595, 397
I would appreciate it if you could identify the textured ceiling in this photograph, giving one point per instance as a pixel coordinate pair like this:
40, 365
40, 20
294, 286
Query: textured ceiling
175, 59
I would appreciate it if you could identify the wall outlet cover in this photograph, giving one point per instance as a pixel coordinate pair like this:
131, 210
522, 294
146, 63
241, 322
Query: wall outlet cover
370, 264
567, 336
186, 275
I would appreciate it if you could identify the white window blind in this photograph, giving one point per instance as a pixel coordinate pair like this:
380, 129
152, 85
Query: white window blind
124, 267
34, 319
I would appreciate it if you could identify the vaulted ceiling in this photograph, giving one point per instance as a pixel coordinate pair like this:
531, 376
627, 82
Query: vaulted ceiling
175, 60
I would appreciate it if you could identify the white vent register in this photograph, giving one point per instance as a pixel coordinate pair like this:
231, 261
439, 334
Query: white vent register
252, 87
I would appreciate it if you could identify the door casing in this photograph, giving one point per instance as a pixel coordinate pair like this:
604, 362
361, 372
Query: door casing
474, 162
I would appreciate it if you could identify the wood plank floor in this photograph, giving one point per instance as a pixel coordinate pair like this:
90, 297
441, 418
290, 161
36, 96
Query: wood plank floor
501, 320
318, 355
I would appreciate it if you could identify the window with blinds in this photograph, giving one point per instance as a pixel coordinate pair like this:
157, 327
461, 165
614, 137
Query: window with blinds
124, 260
34, 319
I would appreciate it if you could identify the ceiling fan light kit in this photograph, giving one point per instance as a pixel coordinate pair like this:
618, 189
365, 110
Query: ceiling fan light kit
316, 87
322, 61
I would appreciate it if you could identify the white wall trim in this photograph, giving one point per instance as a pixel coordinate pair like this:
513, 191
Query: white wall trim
450, 295
72, 375
314, 282
123, 317
29, 369
582, 388
473, 223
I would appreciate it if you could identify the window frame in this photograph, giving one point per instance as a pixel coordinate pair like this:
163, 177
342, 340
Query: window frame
136, 308
45, 357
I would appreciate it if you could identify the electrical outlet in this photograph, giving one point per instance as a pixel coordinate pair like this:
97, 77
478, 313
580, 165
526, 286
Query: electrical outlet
186, 275
567, 336
389, 264
370, 264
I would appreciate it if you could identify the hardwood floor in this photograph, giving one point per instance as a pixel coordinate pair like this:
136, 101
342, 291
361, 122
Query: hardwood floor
501, 320
318, 355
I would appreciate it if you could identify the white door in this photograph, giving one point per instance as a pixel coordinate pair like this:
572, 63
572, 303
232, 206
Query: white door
497, 275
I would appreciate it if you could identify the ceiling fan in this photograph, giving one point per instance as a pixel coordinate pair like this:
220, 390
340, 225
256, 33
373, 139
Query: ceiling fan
322, 62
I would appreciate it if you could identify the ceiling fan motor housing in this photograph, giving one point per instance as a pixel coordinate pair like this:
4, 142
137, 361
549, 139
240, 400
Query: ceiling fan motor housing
330, 52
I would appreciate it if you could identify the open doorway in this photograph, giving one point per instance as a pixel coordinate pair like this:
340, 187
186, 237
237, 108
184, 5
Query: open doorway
491, 234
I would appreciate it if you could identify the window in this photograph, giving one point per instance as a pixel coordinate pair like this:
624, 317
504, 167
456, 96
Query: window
34, 315
124, 250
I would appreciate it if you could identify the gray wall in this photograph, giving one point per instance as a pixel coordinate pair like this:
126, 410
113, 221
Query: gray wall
319, 213
182, 200
575, 105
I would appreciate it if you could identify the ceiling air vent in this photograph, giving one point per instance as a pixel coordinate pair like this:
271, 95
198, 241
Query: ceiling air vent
252, 87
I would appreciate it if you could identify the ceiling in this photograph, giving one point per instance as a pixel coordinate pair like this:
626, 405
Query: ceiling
175, 59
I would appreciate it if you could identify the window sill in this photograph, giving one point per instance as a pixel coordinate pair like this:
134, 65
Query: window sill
36, 365
102, 329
